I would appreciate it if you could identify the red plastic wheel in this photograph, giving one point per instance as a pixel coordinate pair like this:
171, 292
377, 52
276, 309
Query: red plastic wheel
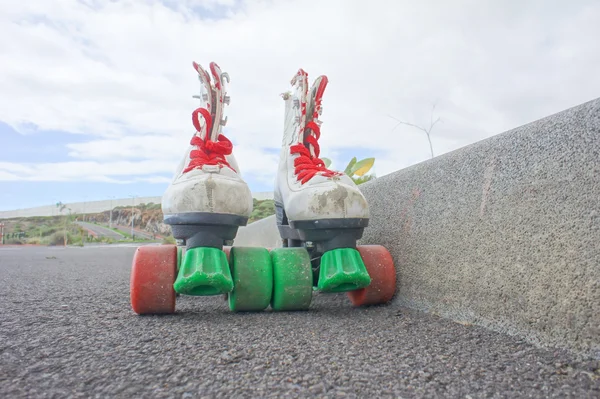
152, 276
380, 266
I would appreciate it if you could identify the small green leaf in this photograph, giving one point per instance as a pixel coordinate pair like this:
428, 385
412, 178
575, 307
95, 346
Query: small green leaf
348, 169
362, 167
364, 179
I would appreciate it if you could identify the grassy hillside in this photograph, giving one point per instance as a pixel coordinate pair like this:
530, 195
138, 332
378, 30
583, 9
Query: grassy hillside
45, 230
262, 209
50, 230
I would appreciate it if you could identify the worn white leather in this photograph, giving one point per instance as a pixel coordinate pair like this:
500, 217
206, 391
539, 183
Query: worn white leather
209, 189
319, 198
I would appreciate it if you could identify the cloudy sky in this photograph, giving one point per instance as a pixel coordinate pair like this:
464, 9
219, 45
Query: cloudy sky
96, 95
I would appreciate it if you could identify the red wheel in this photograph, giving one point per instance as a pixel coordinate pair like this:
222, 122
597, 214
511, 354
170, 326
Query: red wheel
152, 276
380, 265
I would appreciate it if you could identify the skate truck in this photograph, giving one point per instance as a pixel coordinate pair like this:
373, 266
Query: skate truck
320, 214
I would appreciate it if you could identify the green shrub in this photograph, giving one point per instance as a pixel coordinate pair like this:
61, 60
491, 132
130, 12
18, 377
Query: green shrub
262, 209
75, 239
169, 240
57, 238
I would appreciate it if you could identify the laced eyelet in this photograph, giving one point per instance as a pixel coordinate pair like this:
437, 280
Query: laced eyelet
307, 165
208, 152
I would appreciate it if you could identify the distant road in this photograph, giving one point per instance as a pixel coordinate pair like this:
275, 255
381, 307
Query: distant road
101, 231
138, 233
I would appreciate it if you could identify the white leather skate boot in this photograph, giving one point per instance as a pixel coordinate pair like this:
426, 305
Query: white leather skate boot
207, 200
318, 207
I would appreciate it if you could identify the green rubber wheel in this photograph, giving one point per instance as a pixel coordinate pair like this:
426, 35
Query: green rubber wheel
292, 279
204, 271
252, 275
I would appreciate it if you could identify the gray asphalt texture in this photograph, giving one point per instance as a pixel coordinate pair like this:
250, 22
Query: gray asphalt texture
102, 231
67, 330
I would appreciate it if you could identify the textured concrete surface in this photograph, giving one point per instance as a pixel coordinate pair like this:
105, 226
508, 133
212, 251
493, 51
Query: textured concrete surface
263, 233
504, 233
67, 330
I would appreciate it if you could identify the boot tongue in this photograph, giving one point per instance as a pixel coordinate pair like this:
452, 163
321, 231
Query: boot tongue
207, 99
203, 133
307, 133
216, 124
213, 134
310, 109
312, 113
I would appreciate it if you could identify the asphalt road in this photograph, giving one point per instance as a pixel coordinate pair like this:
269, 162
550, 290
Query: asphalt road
101, 231
67, 330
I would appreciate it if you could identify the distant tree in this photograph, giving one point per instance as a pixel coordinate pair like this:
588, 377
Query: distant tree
427, 131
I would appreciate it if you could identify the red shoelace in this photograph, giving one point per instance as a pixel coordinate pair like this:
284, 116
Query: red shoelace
307, 165
208, 152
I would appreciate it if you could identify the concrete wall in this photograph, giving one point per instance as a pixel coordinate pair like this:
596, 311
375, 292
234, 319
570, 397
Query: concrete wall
504, 233
97, 206
263, 233
78, 207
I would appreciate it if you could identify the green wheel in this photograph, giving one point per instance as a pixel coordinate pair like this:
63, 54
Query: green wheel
252, 275
292, 279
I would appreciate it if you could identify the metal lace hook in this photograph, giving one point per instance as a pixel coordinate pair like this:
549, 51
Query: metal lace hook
226, 98
202, 96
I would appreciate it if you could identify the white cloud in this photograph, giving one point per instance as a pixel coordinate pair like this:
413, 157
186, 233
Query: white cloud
154, 179
121, 72
114, 172
7, 176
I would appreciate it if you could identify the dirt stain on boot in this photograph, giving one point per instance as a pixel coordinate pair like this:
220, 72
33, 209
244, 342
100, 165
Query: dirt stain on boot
332, 201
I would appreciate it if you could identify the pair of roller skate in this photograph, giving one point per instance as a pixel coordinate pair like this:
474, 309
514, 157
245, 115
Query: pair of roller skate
320, 215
